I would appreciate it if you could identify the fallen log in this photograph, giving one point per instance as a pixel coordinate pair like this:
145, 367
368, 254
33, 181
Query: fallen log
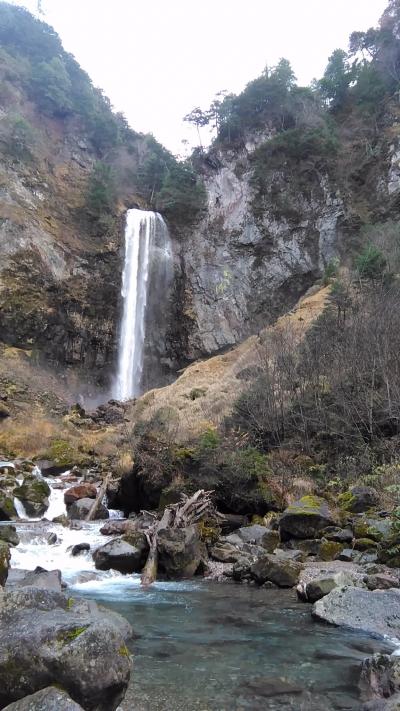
96, 503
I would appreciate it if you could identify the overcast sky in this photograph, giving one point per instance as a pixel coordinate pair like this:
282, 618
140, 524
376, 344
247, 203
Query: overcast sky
158, 59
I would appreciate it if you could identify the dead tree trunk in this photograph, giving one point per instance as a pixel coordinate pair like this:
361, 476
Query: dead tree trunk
96, 503
190, 510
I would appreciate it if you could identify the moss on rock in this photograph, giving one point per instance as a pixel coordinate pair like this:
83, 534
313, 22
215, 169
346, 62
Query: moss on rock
328, 550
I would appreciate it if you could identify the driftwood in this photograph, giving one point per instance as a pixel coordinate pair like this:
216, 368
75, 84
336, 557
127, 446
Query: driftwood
96, 503
190, 510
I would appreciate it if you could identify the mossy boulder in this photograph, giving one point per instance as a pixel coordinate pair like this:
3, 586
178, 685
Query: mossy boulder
7, 508
358, 499
5, 557
280, 571
375, 529
364, 544
328, 550
33, 493
306, 518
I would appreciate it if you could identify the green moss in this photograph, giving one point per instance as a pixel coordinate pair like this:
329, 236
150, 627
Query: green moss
71, 635
363, 530
123, 651
346, 500
209, 534
70, 603
307, 505
364, 544
62, 452
328, 550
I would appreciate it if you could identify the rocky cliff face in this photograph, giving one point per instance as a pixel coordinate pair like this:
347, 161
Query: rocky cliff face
242, 271
254, 254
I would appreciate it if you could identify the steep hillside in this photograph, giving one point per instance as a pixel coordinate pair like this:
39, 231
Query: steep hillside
69, 170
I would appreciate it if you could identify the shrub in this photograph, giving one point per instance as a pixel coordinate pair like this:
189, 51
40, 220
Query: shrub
371, 263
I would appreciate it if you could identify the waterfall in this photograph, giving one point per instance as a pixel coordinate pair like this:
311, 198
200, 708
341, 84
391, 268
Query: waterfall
20, 508
143, 230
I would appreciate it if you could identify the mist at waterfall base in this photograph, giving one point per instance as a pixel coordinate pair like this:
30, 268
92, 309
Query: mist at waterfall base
146, 278
199, 644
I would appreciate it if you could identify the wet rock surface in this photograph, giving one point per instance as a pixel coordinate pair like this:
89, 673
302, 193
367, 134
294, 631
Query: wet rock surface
56, 639
376, 613
80, 509
125, 555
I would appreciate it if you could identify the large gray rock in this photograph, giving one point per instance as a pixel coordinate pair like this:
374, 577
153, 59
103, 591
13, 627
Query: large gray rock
41, 578
305, 518
180, 551
80, 509
8, 533
376, 613
123, 555
47, 638
380, 677
281, 572
225, 552
49, 699
252, 534
318, 587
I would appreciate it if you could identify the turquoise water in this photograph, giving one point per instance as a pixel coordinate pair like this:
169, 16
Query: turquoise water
225, 647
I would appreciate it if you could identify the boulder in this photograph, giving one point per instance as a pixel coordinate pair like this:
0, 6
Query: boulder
241, 570
375, 529
225, 552
41, 578
58, 640
381, 581
380, 677
329, 550
319, 587
80, 509
5, 557
252, 534
283, 573
81, 491
270, 540
358, 499
7, 508
376, 613
292, 554
115, 527
49, 699
8, 533
33, 492
49, 467
180, 551
127, 555
80, 548
305, 518
339, 535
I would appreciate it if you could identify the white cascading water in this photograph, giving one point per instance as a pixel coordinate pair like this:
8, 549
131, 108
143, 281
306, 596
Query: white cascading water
140, 234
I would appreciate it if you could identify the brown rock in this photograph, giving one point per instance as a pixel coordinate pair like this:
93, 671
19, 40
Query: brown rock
82, 491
